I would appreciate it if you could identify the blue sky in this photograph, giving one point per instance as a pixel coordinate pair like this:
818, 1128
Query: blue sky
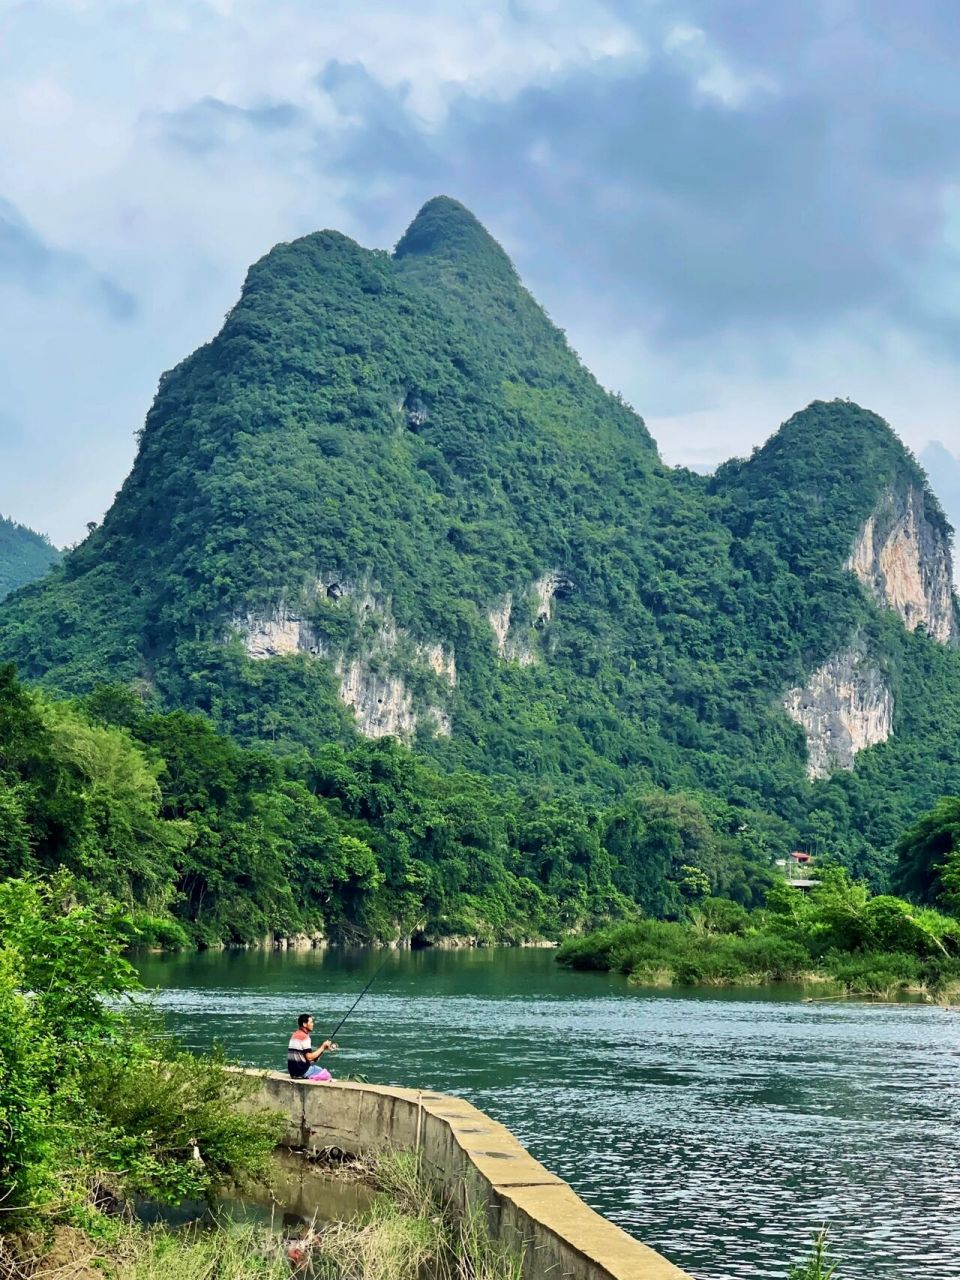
732, 208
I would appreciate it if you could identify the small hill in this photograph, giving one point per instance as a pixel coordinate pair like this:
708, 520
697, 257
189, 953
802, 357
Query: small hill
944, 467
24, 555
388, 499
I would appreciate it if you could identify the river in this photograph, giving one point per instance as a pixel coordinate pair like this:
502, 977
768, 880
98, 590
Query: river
722, 1128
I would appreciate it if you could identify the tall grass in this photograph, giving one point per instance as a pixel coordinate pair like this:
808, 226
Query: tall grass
818, 1266
409, 1233
235, 1252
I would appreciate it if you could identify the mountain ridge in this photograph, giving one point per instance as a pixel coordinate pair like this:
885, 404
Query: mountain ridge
389, 495
24, 555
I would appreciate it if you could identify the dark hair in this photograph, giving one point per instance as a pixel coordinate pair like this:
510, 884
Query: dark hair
303, 1020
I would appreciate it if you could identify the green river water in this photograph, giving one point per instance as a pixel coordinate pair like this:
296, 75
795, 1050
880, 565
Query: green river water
722, 1128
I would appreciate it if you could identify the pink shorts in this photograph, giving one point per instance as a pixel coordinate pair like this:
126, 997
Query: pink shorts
317, 1073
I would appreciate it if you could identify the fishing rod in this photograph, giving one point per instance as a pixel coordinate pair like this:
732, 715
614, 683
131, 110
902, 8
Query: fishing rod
383, 964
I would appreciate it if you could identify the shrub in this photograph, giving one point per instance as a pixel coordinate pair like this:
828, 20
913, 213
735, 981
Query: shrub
873, 973
181, 1127
710, 968
157, 932
773, 959
720, 915
81, 1099
30, 1135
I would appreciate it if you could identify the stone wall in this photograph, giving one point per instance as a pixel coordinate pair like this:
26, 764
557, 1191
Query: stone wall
476, 1162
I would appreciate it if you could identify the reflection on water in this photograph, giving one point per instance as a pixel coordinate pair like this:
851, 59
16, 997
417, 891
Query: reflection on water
300, 1194
721, 1128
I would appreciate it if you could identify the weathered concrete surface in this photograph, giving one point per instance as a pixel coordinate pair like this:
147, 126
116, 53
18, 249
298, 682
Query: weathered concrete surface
477, 1162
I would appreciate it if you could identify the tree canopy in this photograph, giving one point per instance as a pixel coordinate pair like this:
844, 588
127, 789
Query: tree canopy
393, 448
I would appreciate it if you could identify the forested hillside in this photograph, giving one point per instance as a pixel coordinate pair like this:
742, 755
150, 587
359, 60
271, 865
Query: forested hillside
204, 840
387, 499
24, 555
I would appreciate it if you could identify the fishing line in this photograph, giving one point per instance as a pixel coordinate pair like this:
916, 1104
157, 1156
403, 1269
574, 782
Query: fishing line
377, 971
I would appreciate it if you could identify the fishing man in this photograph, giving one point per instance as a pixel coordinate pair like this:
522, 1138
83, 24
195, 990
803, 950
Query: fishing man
302, 1057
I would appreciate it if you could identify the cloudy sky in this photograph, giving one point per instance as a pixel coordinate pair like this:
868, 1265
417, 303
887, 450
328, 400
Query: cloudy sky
732, 206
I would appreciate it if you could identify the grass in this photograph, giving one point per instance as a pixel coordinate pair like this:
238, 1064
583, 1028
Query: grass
235, 1252
408, 1234
818, 1266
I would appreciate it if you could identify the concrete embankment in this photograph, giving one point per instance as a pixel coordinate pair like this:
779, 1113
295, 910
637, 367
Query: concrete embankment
476, 1162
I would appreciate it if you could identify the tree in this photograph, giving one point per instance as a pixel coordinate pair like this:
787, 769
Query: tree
927, 853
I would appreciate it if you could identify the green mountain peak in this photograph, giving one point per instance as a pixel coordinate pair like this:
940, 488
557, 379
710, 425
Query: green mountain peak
388, 499
446, 228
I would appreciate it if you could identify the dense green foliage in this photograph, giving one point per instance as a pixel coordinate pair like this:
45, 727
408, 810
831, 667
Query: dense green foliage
84, 1104
865, 943
204, 840
928, 857
413, 428
24, 555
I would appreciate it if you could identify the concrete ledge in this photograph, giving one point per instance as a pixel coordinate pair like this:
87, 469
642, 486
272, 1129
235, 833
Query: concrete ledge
477, 1162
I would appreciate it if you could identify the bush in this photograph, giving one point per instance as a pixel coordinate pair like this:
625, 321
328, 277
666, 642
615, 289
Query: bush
720, 915
175, 1128
874, 973
30, 1133
710, 969
604, 949
157, 932
81, 1099
773, 959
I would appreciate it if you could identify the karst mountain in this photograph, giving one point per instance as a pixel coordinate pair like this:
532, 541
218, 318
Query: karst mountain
388, 498
24, 555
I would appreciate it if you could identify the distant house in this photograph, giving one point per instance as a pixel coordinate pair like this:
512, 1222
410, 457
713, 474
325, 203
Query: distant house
796, 868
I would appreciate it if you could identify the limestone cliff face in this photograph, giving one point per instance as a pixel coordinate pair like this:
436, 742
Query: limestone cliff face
277, 633
370, 672
844, 707
903, 559
517, 625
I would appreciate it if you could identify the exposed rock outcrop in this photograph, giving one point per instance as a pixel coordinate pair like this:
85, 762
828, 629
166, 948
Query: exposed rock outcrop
844, 707
370, 683
441, 661
499, 617
276, 634
382, 704
903, 558
515, 628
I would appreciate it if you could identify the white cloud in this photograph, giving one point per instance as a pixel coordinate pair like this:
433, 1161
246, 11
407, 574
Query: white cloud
166, 144
713, 74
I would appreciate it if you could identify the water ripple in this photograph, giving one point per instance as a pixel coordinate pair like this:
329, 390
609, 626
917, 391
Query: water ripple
721, 1129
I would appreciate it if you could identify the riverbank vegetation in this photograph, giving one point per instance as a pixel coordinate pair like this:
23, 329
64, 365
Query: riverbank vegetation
207, 842
837, 933
95, 1106
99, 1112
408, 1232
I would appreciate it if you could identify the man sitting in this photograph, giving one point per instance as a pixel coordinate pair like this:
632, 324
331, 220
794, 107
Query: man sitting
301, 1057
